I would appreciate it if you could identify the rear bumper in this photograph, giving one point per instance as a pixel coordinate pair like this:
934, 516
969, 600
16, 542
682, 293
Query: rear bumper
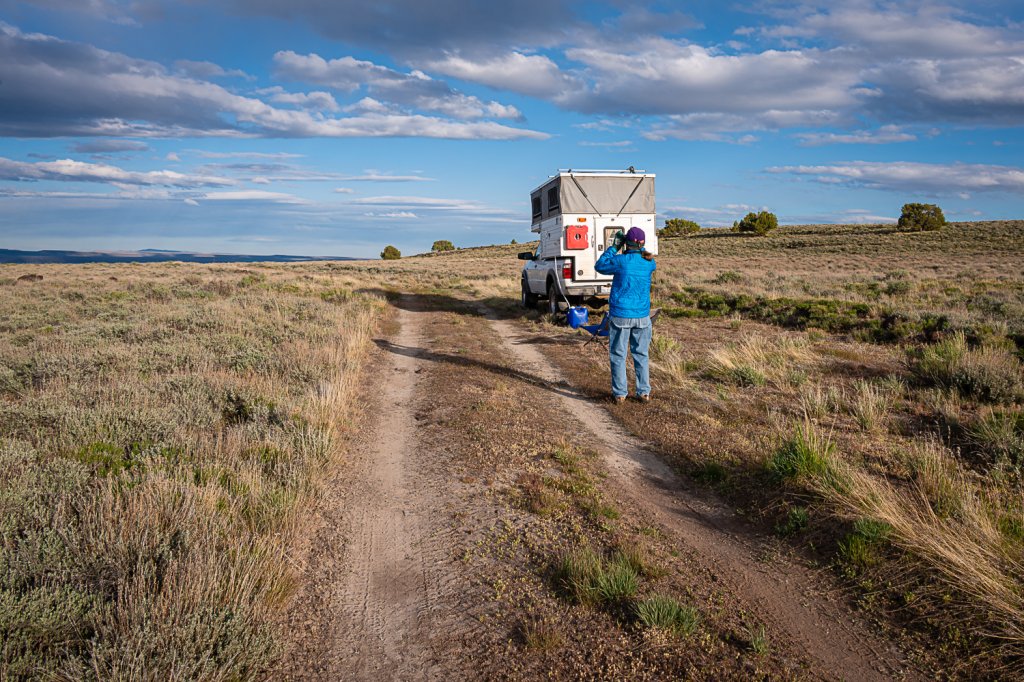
588, 290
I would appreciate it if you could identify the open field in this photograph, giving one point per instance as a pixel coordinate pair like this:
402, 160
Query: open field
203, 468
163, 427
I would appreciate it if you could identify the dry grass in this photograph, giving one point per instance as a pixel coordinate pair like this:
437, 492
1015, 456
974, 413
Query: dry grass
758, 360
162, 429
955, 530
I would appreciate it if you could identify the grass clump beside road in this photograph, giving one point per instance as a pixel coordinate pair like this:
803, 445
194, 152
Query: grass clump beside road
161, 429
665, 613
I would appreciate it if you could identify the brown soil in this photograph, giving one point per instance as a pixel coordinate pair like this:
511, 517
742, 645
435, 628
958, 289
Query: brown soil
429, 564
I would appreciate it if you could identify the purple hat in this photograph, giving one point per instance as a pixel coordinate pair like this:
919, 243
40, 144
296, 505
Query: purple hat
635, 234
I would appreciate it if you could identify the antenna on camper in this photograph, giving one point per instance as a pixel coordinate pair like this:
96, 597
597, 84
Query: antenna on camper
631, 169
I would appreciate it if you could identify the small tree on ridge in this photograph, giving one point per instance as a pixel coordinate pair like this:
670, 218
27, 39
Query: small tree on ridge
390, 253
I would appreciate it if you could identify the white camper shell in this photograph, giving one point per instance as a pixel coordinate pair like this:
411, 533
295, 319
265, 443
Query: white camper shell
576, 214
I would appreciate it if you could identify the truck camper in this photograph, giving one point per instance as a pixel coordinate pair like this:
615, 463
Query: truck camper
577, 213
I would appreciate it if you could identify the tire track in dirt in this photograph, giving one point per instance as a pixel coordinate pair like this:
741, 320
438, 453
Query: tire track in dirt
376, 567
784, 594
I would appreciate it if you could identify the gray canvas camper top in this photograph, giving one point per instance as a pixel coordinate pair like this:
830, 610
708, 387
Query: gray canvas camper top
604, 193
576, 214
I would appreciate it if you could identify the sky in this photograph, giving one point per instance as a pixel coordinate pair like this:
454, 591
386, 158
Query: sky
335, 127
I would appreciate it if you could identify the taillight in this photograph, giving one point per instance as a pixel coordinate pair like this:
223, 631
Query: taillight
567, 270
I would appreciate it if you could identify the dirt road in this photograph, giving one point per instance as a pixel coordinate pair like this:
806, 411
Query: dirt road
784, 593
385, 594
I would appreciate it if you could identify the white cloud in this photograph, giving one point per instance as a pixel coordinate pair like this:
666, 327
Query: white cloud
69, 170
343, 190
414, 89
254, 195
929, 178
191, 202
392, 214
314, 101
619, 143
171, 156
376, 176
884, 135
54, 87
534, 75
202, 69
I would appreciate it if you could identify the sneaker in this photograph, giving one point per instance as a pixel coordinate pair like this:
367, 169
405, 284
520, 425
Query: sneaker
619, 399
644, 398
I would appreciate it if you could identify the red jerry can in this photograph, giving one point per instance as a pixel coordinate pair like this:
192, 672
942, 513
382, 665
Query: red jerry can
576, 237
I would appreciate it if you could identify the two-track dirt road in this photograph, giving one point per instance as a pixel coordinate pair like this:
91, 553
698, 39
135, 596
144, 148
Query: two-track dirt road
385, 595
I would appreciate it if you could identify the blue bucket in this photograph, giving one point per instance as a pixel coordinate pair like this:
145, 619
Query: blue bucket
577, 316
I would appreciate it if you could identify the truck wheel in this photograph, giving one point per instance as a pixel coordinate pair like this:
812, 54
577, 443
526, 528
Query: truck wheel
555, 304
528, 299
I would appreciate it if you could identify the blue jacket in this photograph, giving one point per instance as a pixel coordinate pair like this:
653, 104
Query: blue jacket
631, 288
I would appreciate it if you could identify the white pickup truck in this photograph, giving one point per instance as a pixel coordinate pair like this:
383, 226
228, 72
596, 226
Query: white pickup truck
577, 214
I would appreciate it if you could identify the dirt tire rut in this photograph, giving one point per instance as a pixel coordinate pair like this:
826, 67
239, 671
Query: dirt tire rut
784, 594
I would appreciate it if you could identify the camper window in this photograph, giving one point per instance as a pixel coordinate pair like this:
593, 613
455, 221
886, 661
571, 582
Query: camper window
536, 206
553, 204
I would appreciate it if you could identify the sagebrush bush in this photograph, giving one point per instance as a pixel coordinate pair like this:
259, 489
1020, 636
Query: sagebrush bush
442, 245
987, 373
155, 456
760, 223
678, 227
921, 217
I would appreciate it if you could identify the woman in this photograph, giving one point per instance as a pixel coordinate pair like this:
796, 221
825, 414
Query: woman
629, 310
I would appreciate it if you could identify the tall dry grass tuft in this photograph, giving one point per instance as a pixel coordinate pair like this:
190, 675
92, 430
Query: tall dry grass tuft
161, 436
954, 534
757, 360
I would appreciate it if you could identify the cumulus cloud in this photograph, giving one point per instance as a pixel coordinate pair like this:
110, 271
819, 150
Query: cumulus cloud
414, 89
54, 87
930, 178
201, 69
68, 170
534, 75
668, 77
916, 30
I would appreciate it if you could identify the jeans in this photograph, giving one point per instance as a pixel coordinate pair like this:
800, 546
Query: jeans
636, 333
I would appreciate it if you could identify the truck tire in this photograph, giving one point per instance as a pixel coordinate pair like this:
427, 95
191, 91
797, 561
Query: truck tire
555, 303
528, 298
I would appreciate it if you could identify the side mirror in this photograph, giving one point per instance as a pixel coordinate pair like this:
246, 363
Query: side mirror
525, 255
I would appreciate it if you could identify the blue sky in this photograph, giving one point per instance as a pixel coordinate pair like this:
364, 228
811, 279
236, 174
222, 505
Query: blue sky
334, 127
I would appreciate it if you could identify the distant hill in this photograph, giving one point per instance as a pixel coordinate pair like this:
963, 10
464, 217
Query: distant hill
149, 256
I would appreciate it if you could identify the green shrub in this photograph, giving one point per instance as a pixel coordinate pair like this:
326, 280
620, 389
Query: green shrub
665, 613
442, 245
804, 455
678, 227
390, 253
759, 223
921, 217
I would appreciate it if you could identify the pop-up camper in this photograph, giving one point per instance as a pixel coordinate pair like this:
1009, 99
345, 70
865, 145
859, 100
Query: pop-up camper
576, 214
